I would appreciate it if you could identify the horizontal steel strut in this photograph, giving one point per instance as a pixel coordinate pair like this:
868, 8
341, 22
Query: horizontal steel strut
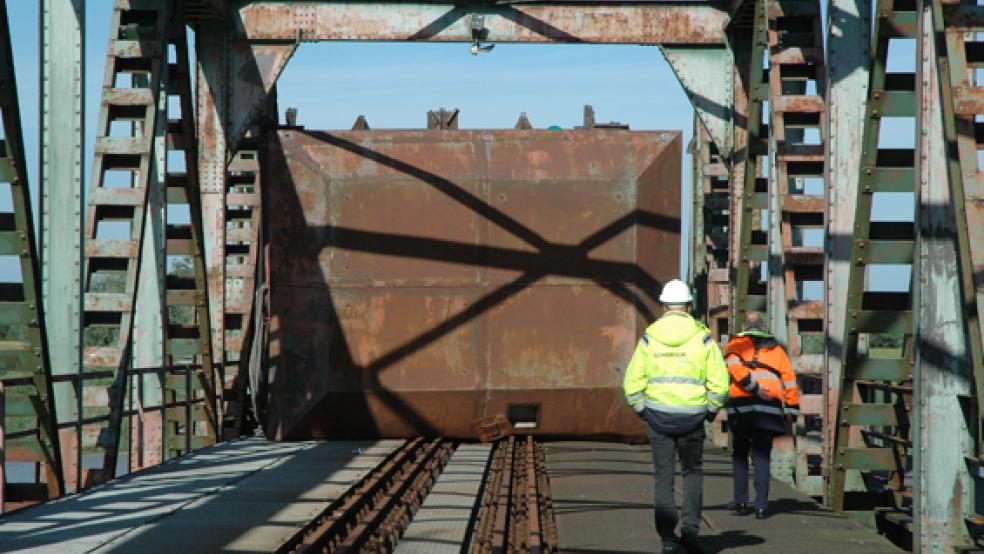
671, 23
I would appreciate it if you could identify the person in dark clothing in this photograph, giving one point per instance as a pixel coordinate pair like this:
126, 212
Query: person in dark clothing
762, 400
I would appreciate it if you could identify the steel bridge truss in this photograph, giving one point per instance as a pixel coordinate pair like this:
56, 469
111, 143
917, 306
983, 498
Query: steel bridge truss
27, 439
147, 368
154, 318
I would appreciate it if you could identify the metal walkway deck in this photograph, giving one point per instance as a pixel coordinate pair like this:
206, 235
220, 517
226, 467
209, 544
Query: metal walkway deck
243, 496
602, 495
442, 523
252, 496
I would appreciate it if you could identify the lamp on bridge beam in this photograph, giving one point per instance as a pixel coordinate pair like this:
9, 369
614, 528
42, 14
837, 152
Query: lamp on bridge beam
479, 33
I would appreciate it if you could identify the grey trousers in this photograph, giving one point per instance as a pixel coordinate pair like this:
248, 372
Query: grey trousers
690, 449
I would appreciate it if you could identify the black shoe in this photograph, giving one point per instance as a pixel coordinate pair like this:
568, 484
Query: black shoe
760, 514
690, 544
740, 509
671, 548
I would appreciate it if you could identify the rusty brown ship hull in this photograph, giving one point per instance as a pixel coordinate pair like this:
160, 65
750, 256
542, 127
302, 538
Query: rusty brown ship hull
421, 280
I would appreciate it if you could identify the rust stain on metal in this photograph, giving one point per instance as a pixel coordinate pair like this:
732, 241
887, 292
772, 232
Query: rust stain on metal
615, 24
421, 280
492, 428
69, 444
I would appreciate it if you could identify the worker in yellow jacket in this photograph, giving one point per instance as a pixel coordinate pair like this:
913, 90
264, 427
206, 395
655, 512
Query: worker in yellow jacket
675, 381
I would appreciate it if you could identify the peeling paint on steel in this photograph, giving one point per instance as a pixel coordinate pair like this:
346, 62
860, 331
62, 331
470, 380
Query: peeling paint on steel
848, 53
699, 71
696, 23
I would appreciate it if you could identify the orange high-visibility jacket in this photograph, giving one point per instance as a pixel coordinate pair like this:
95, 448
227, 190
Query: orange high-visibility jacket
759, 362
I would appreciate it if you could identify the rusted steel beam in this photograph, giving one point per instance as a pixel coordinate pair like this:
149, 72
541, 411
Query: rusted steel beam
210, 116
243, 202
612, 23
188, 342
796, 207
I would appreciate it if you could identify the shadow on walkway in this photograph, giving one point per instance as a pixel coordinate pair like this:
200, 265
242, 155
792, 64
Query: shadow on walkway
602, 496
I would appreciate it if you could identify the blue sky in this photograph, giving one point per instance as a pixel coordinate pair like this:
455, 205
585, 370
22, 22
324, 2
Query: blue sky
394, 85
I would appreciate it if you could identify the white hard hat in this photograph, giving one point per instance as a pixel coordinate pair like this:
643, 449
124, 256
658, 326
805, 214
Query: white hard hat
676, 292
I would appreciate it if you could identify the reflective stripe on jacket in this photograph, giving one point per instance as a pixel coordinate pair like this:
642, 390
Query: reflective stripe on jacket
677, 373
760, 363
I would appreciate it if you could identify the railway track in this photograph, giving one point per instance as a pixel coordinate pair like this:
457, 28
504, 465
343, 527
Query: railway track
514, 512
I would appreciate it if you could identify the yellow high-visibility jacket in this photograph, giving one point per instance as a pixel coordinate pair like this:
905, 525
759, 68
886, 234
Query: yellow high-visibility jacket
677, 375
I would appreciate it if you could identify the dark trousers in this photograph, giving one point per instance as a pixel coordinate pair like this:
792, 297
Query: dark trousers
690, 448
759, 442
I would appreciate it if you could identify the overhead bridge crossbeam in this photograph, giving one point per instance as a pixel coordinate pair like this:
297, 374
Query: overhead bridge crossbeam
692, 23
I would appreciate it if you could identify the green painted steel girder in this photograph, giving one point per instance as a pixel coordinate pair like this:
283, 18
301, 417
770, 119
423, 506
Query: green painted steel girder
62, 125
26, 357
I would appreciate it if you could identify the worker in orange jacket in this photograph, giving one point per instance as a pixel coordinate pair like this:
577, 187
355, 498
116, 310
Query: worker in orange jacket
762, 400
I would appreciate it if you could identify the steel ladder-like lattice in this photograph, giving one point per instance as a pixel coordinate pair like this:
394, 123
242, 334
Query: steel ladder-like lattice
797, 111
28, 432
871, 450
